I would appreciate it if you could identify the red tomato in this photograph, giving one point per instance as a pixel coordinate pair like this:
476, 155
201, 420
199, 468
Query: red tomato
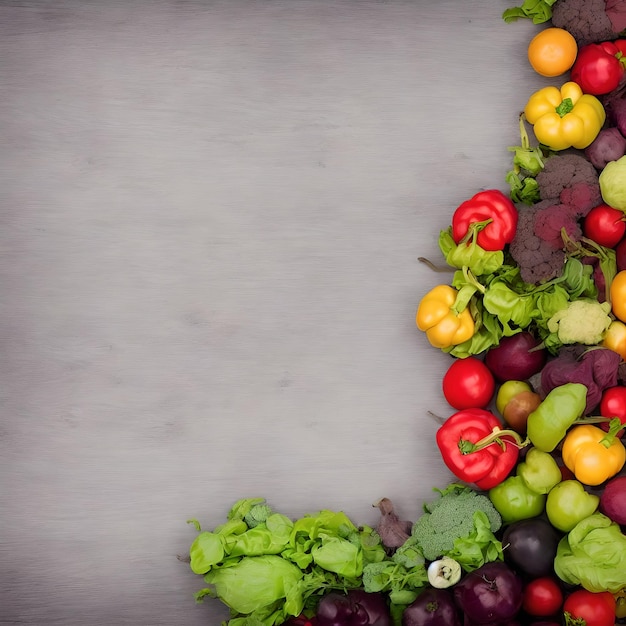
542, 597
596, 609
468, 384
613, 404
597, 68
605, 225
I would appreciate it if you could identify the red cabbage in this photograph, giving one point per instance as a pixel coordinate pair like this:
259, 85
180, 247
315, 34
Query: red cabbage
595, 368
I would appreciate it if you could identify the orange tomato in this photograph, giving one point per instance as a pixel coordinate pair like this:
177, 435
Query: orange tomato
552, 52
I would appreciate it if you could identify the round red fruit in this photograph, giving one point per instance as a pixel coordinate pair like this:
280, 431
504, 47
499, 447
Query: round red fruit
468, 384
542, 597
605, 225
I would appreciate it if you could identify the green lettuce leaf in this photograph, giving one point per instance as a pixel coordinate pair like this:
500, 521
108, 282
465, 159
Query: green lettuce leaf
593, 555
470, 255
254, 582
539, 11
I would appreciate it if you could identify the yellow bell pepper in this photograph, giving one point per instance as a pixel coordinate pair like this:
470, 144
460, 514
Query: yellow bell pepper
565, 118
444, 327
615, 338
593, 454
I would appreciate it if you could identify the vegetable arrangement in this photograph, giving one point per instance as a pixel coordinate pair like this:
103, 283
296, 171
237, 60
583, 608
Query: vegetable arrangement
534, 318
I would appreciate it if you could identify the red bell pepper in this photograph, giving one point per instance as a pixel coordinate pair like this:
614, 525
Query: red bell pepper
599, 67
494, 214
476, 450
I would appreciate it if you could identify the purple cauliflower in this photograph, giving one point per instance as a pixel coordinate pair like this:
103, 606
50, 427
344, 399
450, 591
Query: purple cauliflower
569, 189
538, 259
572, 180
587, 20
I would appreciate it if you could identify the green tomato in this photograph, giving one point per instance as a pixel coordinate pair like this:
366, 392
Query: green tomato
515, 501
568, 503
508, 391
539, 471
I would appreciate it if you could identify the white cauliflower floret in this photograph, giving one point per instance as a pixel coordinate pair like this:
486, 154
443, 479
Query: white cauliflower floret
582, 321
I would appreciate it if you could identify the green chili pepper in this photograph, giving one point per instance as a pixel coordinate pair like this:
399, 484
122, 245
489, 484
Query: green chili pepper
549, 422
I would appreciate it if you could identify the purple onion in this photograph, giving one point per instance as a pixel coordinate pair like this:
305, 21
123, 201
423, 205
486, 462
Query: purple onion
490, 594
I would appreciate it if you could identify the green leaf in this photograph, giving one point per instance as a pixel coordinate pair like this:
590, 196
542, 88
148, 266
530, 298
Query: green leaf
509, 306
593, 555
539, 11
403, 597
524, 189
206, 551
269, 538
254, 582
469, 254
340, 556
578, 279
241, 508
409, 554
204, 593
479, 547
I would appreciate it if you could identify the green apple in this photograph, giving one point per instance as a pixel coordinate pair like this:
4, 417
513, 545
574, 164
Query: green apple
516, 401
508, 391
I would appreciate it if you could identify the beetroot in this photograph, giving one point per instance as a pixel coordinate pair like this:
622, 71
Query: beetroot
613, 500
609, 145
516, 357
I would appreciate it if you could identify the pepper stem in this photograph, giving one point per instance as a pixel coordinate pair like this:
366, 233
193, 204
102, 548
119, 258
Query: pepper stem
565, 107
615, 425
523, 133
467, 447
473, 230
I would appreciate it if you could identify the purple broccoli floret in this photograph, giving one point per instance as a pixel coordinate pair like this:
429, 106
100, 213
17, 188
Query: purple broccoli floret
586, 20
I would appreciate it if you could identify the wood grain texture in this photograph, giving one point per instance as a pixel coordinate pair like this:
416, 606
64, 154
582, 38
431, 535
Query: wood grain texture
211, 218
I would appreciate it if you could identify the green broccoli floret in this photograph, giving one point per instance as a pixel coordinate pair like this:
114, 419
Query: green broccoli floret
451, 517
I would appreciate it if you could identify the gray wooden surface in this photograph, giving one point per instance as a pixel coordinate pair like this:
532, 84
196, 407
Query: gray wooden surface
211, 218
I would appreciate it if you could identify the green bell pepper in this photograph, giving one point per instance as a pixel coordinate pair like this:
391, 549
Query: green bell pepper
539, 471
568, 503
515, 501
549, 422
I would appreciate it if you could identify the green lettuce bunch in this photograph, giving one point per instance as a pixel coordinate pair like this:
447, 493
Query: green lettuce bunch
593, 555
